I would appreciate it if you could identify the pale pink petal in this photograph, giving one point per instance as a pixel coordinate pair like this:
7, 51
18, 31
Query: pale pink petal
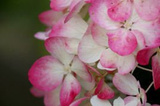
72, 45
98, 13
103, 91
88, 50
80, 69
147, 9
118, 102
56, 46
148, 28
109, 59
126, 64
36, 92
52, 98
75, 8
50, 17
69, 90
111, 3
78, 102
156, 70
122, 41
59, 5
74, 28
42, 35
120, 12
46, 73
127, 84
99, 35
131, 101
144, 55
99, 66
95, 101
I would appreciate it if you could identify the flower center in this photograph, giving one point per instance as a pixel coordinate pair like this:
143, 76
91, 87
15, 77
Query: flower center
67, 69
127, 25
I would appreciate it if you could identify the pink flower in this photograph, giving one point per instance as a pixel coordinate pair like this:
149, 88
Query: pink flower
124, 25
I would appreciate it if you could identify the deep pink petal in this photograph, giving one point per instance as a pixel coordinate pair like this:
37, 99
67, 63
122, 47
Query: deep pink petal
127, 84
98, 13
56, 46
88, 50
70, 89
74, 28
50, 17
122, 41
121, 12
78, 102
36, 92
46, 73
80, 69
156, 70
52, 98
103, 91
145, 54
147, 9
59, 5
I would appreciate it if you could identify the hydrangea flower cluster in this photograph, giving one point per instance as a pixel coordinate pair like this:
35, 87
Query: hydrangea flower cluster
94, 47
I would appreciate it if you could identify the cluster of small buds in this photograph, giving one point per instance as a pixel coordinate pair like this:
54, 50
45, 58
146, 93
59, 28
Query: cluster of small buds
94, 47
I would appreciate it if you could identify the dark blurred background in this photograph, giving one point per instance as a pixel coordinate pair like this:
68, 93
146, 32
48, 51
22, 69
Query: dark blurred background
19, 49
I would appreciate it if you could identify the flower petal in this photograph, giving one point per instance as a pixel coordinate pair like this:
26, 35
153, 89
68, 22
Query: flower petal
131, 101
118, 102
95, 101
36, 92
80, 69
121, 12
147, 9
122, 41
156, 70
42, 35
50, 17
78, 102
56, 46
69, 90
88, 50
98, 13
46, 73
59, 5
127, 84
74, 28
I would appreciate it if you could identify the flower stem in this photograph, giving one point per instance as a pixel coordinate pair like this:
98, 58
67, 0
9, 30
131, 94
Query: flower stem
149, 86
146, 69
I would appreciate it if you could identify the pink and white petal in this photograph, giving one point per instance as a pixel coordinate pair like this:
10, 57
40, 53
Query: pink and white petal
148, 28
118, 102
99, 66
121, 12
122, 42
80, 69
109, 59
36, 92
147, 9
126, 64
103, 91
56, 46
143, 96
111, 3
75, 8
74, 28
95, 101
88, 50
131, 101
46, 73
69, 90
50, 17
52, 98
78, 102
60, 5
71, 45
127, 84
42, 35
156, 70
98, 13
99, 35
144, 55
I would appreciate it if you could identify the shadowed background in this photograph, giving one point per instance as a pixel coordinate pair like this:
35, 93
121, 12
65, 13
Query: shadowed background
19, 49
